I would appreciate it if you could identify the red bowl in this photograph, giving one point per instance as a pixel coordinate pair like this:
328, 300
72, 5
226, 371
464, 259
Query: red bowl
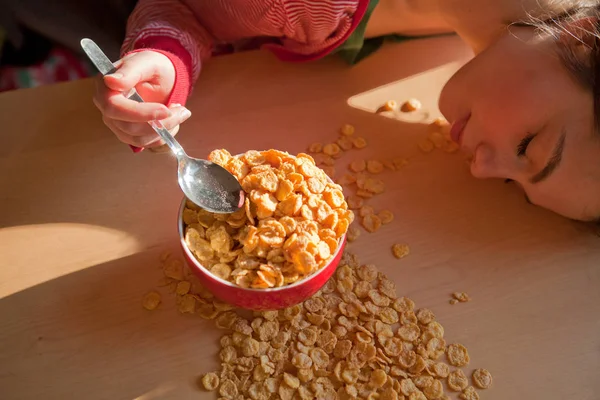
258, 299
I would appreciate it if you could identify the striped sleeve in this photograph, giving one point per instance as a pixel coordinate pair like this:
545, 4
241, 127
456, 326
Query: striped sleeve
314, 28
187, 30
170, 27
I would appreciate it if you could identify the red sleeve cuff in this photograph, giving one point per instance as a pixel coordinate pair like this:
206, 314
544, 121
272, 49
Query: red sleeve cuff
181, 59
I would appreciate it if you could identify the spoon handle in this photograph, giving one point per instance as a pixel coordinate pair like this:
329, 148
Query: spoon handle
159, 127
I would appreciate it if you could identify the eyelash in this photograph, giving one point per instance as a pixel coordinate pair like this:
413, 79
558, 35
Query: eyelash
522, 147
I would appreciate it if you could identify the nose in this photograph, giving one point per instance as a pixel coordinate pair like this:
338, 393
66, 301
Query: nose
489, 163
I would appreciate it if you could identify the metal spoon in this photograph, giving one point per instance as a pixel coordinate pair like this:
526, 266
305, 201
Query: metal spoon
205, 183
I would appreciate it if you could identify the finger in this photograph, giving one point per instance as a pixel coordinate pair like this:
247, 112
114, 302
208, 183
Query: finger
116, 106
162, 148
131, 71
172, 125
180, 114
134, 128
137, 141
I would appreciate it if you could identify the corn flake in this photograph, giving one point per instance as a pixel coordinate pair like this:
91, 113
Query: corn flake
434, 391
386, 216
187, 304
418, 395
400, 250
410, 105
461, 296
358, 166
345, 143
469, 394
183, 287
441, 370
319, 357
374, 167
365, 194
371, 223
347, 130
409, 332
482, 378
353, 233
457, 355
425, 316
389, 105
210, 381
228, 389
331, 149
346, 179
174, 269
457, 381
359, 142
302, 361
315, 147
151, 300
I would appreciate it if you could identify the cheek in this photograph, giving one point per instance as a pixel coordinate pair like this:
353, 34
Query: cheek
555, 200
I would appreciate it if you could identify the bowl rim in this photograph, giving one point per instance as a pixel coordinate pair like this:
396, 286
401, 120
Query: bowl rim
188, 252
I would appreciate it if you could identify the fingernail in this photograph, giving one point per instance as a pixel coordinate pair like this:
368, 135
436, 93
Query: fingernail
185, 114
174, 105
116, 75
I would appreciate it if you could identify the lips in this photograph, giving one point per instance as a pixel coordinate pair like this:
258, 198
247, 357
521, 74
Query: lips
458, 127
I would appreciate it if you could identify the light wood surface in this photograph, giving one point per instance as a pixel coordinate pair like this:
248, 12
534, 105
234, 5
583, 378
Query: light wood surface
83, 221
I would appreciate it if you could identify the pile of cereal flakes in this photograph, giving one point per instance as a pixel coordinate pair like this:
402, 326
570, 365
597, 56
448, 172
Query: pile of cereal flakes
354, 339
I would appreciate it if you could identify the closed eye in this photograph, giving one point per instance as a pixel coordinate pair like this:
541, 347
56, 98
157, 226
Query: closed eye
523, 144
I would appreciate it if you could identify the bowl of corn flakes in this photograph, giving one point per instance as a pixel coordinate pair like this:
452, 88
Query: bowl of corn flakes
282, 246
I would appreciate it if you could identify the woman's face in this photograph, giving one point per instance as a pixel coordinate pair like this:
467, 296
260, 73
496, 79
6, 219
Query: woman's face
521, 115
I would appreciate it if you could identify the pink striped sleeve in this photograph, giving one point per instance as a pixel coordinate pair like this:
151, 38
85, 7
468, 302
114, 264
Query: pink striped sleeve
187, 30
170, 26
316, 27
168, 19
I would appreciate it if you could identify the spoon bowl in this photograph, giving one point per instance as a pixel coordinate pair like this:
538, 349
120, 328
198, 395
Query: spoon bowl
209, 185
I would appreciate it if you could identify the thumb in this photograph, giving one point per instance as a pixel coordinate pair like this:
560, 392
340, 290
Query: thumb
130, 73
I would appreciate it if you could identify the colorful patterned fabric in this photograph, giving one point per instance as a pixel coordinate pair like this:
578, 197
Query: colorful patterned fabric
60, 66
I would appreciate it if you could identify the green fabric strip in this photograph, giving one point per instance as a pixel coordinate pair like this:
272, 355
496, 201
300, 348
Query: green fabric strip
357, 48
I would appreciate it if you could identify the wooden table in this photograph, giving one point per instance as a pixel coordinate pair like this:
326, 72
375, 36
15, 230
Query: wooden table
84, 220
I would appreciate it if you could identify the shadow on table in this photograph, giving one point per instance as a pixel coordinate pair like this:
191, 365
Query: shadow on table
86, 335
